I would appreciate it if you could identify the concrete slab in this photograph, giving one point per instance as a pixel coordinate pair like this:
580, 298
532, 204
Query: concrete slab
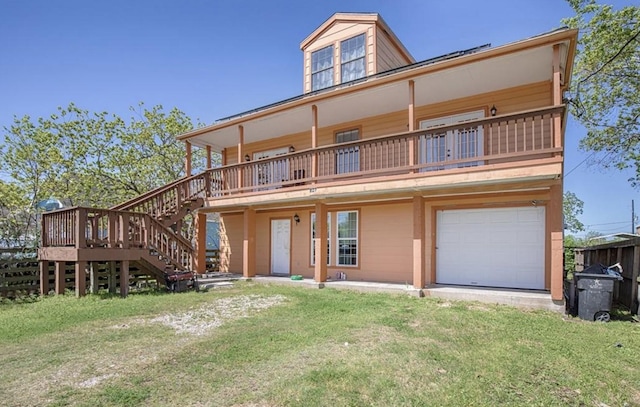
526, 299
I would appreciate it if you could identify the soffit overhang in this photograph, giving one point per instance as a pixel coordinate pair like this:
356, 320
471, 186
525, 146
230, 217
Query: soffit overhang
521, 63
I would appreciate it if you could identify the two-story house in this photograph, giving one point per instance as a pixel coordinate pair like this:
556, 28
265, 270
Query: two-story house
443, 171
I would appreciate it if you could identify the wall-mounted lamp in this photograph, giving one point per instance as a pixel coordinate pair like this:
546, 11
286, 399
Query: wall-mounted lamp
296, 218
534, 203
247, 158
292, 149
493, 110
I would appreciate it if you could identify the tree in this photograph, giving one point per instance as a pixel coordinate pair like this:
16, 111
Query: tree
89, 159
606, 83
572, 207
96, 159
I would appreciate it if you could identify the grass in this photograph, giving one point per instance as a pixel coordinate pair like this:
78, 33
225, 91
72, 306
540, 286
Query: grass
317, 348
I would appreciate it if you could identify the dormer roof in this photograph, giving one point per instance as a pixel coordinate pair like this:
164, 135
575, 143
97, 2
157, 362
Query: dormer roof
373, 18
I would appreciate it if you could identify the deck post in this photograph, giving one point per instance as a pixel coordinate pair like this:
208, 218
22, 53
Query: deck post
44, 277
81, 278
200, 259
249, 244
124, 278
320, 241
411, 125
81, 227
418, 243
59, 273
240, 154
111, 267
557, 97
209, 161
555, 236
187, 163
314, 141
93, 277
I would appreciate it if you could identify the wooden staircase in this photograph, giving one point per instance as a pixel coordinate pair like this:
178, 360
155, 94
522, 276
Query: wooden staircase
147, 231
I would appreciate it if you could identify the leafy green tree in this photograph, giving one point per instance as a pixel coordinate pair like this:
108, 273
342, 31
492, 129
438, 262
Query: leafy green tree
88, 159
96, 159
606, 83
572, 207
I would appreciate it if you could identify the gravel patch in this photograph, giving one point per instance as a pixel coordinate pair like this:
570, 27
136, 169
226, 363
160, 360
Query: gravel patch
210, 316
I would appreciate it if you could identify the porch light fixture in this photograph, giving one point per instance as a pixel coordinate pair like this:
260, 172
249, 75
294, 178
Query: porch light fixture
296, 218
493, 110
247, 158
292, 149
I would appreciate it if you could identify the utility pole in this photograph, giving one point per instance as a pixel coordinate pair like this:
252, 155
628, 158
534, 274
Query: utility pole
633, 219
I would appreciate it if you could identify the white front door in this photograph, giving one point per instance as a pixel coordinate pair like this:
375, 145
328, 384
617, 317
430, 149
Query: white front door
451, 145
280, 246
497, 247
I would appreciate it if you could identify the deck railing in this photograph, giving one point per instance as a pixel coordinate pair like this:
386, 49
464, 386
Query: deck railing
82, 228
491, 140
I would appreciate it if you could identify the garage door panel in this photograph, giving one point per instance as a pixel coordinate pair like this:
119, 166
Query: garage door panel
491, 247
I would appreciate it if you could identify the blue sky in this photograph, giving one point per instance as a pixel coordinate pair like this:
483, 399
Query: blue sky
215, 58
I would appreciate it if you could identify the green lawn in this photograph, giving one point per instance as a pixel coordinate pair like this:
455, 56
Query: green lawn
256, 345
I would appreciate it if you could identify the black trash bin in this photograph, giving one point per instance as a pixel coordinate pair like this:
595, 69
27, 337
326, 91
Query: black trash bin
595, 292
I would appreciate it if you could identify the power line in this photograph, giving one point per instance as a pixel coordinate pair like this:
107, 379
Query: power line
616, 55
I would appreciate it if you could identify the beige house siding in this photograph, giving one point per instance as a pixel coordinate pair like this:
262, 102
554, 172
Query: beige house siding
388, 56
510, 100
231, 237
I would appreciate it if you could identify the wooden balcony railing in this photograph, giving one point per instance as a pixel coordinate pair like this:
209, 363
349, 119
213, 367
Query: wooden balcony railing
83, 228
492, 140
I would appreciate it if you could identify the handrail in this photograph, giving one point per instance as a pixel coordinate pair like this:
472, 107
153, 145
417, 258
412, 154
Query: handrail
82, 227
142, 197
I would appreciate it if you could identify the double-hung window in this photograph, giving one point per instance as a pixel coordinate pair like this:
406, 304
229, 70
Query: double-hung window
347, 238
322, 68
313, 236
352, 59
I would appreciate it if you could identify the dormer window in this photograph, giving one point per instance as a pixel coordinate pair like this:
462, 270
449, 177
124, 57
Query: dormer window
352, 57
322, 68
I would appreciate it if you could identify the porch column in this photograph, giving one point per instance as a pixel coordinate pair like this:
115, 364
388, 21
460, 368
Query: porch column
320, 271
429, 246
44, 277
187, 164
418, 243
240, 153
81, 278
124, 278
555, 270
411, 125
249, 244
94, 285
59, 272
200, 258
557, 97
209, 157
314, 141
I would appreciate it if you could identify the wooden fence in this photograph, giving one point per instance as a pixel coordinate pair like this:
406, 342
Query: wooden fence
20, 275
627, 253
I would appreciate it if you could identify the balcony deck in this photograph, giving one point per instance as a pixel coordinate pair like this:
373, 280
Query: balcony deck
491, 150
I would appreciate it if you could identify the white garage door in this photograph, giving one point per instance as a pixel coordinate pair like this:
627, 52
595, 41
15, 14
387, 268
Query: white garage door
502, 247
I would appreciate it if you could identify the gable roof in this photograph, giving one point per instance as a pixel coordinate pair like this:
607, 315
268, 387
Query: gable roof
373, 18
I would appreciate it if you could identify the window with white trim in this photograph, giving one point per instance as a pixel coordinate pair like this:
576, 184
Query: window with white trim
313, 236
347, 238
322, 68
352, 59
